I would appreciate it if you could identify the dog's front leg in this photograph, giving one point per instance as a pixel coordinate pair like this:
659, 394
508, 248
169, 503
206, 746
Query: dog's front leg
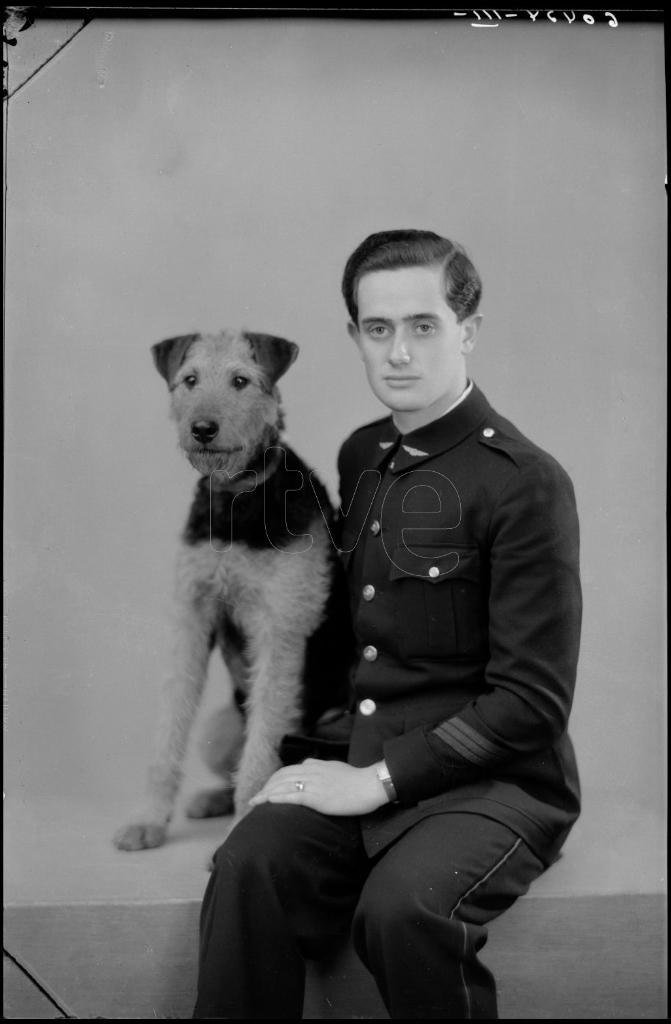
273, 709
180, 697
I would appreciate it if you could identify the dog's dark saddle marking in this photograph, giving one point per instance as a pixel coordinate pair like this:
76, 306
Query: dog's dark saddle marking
280, 509
272, 514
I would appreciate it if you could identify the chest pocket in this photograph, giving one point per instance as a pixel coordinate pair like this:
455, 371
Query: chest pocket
440, 601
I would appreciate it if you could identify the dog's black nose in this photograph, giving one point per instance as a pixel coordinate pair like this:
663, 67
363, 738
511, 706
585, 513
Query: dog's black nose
204, 430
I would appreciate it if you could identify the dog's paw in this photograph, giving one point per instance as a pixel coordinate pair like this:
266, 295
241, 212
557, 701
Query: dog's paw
211, 803
140, 837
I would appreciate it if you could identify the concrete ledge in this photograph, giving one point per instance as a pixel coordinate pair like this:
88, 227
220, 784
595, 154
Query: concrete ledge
22, 999
93, 927
557, 958
562, 958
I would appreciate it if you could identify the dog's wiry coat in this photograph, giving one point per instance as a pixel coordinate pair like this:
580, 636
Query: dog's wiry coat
257, 575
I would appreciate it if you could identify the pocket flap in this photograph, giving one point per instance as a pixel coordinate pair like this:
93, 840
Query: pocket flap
434, 563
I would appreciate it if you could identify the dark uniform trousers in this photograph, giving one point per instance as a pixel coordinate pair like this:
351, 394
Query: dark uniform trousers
460, 542
289, 882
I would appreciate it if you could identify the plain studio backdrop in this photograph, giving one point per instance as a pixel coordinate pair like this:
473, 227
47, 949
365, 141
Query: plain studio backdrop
165, 176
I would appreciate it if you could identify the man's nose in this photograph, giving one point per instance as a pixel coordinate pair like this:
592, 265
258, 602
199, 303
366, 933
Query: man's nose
398, 351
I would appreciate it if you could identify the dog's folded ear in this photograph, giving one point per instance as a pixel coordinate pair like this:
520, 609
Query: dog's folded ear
274, 355
169, 354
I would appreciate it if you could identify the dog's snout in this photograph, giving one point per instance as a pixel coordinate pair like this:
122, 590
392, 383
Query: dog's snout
204, 431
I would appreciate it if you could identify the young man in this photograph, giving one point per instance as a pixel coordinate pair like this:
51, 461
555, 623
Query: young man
460, 539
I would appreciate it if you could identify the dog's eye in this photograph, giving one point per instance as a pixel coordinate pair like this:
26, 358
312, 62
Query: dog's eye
240, 382
190, 381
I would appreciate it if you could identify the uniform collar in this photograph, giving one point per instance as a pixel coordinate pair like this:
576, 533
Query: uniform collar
435, 437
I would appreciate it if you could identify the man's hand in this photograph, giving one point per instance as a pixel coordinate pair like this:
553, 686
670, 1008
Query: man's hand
331, 787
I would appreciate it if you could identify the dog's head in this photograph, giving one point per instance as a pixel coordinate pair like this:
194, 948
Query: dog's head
224, 395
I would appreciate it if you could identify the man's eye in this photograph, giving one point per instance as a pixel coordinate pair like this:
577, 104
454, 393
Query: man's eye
377, 331
240, 382
190, 381
424, 328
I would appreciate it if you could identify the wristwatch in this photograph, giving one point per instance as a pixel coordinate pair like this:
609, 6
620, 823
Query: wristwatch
386, 780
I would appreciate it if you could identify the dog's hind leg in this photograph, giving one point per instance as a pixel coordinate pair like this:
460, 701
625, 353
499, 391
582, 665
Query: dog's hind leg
195, 628
220, 746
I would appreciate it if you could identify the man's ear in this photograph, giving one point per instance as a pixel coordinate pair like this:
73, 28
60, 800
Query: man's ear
274, 355
170, 354
470, 326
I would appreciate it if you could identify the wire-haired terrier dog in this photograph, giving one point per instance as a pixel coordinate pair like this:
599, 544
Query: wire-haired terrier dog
257, 575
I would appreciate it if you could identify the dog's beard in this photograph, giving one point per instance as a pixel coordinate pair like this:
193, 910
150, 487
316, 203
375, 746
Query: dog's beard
207, 462
231, 460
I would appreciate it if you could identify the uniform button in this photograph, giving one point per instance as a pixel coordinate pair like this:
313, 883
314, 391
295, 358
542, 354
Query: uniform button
392, 464
368, 592
488, 432
367, 706
375, 527
370, 653
434, 571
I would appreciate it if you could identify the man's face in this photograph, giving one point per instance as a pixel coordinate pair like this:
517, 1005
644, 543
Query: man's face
411, 344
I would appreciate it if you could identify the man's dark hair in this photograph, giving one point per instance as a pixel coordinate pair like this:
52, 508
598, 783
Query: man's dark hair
393, 250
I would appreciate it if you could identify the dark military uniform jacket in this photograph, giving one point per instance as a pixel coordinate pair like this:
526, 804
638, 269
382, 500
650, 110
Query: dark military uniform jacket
460, 541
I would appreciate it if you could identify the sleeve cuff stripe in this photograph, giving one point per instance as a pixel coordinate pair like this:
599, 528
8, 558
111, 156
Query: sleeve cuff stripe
460, 734
454, 741
492, 748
